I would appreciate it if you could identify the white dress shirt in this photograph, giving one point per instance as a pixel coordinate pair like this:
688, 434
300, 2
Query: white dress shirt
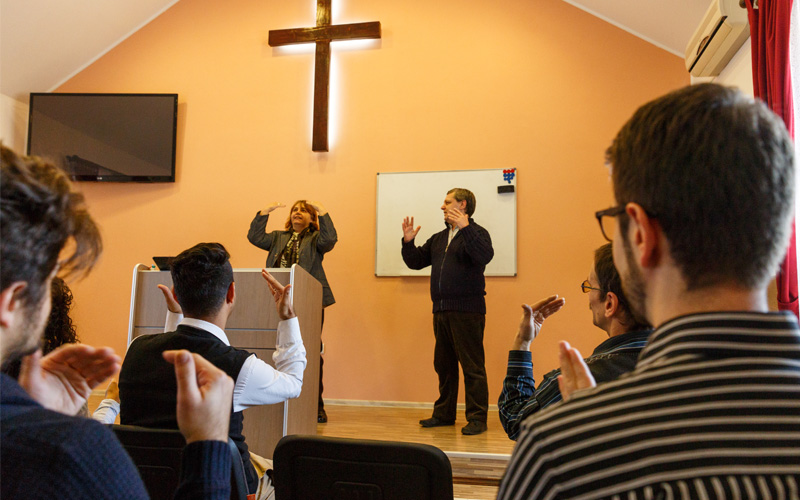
259, 383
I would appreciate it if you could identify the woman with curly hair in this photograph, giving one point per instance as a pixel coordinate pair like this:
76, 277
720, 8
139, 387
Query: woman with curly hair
59, 329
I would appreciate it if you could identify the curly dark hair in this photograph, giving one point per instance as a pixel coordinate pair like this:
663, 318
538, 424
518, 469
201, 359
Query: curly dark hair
59, 329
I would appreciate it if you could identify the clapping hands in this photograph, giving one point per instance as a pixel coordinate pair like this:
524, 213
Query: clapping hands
533, 318
63, 380
205, 395
575, 374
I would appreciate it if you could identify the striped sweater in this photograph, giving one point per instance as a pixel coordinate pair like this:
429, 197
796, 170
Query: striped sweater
712, 410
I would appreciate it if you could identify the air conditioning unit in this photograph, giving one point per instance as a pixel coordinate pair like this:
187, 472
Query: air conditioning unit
723, 31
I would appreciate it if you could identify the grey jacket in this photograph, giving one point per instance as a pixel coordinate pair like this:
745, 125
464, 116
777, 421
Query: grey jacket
311, 252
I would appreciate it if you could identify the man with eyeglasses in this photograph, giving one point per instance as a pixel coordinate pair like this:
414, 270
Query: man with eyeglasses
704, 181
613, 357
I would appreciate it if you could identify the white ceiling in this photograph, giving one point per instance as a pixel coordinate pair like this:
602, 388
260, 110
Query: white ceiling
668, 24
43, 43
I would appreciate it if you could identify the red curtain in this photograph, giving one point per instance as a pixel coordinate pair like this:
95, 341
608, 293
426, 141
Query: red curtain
772, 83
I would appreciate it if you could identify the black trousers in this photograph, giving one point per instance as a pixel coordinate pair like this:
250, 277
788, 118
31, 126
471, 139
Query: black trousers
459, 339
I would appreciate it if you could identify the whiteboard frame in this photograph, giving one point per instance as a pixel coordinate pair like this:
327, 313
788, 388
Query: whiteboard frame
427, 270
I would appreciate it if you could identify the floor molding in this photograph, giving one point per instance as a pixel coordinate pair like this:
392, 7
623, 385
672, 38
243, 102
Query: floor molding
391, 404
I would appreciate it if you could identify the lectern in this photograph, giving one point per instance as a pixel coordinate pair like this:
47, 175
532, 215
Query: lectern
252, 326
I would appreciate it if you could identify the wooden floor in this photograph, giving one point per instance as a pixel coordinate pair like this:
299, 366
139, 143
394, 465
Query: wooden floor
402, 424
478, 461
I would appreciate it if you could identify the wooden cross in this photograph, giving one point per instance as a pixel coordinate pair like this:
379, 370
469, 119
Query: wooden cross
322, 35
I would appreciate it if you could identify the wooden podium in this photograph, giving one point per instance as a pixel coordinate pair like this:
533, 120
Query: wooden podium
252, 326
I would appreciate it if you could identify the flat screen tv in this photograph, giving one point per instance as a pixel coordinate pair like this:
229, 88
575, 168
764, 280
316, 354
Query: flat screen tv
106, 137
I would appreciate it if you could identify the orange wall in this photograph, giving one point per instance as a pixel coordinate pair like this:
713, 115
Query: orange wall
540, 86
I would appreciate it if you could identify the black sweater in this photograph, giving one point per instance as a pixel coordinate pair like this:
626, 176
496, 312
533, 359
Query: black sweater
457, 282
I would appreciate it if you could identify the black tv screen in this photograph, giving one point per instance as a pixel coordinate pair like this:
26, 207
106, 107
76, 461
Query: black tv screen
106, 137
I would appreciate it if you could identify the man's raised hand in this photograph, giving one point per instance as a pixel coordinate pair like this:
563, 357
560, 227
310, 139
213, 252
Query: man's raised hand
533, 318
575, 375
205, 396
169, 297
409, 233
457, 218
281, 294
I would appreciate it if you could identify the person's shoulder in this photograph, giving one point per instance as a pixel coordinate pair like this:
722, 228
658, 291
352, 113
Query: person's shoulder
476, 226
49, 433
150, 342
239, 353
47, 452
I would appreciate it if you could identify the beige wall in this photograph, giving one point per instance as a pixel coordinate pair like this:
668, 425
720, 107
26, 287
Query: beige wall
540, 86
13, 123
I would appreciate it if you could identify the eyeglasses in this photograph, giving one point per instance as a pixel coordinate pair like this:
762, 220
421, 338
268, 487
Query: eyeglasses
586, 286
606, 220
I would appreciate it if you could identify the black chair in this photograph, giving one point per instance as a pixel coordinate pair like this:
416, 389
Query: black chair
157, 455
318, 467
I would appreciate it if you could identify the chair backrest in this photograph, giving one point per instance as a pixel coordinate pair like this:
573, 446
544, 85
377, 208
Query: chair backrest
308, 467
157, 455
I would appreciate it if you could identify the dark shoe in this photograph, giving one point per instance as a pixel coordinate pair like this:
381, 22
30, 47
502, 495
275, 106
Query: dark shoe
435, 422
322, 417
473, 427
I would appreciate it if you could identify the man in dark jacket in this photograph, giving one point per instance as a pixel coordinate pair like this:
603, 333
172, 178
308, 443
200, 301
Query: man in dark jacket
458, 256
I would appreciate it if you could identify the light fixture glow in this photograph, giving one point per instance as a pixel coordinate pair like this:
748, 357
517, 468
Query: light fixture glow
298, 48
334, 101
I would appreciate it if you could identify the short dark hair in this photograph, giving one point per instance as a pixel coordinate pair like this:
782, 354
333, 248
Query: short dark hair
201, 276
461, 194
40, 213
715, 168
609, 281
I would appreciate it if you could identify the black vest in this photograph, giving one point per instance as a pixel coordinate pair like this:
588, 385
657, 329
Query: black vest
148, 391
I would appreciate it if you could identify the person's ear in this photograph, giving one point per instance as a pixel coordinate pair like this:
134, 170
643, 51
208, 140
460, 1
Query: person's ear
463, 205
230, 296
645, 234
611, 305
11, 302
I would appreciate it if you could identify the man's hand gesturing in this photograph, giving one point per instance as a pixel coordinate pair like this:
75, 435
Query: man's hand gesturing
282, 295
409, 233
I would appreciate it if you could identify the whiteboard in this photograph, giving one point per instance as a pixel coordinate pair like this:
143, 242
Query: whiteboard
421, 194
